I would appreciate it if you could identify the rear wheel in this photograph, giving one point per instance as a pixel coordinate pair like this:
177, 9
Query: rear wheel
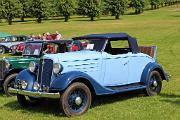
9, 82
154, 84
76, 99
2, 50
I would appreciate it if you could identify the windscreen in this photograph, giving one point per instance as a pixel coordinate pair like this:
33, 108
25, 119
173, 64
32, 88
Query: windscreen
91, 44
32, 49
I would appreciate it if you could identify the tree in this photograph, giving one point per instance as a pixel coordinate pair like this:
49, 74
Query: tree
39, 9
154, 4
138, 5
66, 8
10, 10
24, 9
116, 7
90, 8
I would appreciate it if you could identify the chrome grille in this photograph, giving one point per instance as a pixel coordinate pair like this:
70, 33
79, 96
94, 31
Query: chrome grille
45, 72
2, 69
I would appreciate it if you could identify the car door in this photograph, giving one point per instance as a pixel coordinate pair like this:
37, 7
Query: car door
116, 70
117, 64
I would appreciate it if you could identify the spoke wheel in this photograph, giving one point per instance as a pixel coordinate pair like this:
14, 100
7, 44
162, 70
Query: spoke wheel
154, 84
2, 50
9, 82
76, 99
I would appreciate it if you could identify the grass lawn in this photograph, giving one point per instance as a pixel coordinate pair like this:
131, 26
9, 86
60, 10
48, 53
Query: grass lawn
155, 27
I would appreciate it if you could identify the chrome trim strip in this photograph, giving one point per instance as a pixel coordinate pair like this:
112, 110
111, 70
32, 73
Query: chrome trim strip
34, 94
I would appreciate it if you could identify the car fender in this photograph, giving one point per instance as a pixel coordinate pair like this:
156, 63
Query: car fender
62, 81
27, 76
149, 68
6, 48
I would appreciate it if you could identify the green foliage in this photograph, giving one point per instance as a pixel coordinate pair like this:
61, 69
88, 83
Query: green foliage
24, 9
66, 8
90, 8
155, 4
116, 7
138, 5
39, 9
10, 9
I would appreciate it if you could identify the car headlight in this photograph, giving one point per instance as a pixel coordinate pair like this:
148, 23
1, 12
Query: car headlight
32, 66
7, 65
57, 68
36, 86
24, 84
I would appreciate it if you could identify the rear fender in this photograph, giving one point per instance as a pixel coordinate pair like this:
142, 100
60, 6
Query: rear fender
149, 68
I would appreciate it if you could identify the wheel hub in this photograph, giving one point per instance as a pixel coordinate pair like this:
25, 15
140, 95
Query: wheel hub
78, 101
155, 84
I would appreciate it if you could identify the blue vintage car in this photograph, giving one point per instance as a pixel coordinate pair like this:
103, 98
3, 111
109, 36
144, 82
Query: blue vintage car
98, 64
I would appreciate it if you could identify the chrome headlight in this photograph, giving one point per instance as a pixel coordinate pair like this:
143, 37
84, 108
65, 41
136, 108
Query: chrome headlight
24, 84
32, 66
57, 68
7, 64
36, 86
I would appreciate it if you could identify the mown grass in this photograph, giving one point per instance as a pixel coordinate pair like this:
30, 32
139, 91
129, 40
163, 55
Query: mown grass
156, 27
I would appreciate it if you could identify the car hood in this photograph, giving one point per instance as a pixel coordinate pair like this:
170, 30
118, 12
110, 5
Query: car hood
20, 62
74, 56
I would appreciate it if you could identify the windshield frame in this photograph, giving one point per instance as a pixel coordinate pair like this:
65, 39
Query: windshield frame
31, 55
102, 47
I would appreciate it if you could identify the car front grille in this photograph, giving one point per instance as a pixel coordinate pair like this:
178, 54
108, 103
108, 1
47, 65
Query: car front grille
45, 72
2, 69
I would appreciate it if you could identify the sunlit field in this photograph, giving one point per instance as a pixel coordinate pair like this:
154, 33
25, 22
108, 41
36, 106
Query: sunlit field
154, 27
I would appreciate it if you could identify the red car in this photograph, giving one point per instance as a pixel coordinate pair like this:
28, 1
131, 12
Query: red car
18, 49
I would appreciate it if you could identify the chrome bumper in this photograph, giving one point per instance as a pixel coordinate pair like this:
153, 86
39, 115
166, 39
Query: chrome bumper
34, 94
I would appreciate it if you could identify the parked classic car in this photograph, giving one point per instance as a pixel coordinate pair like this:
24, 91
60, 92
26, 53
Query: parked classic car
18, 49
10, 67
5, 45
105, 64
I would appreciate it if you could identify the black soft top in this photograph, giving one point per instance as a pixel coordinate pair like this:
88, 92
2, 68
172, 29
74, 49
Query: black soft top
112, 36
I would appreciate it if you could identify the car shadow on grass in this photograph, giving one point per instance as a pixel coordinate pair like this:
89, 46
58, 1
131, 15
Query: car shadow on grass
52, 106
120, 97
171, 98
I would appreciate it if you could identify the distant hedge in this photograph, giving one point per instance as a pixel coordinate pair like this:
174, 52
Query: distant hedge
42, 9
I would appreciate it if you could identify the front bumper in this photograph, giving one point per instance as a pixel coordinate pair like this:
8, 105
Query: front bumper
34, 94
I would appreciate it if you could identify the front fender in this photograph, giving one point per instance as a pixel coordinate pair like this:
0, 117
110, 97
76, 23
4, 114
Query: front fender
149, 68
27, 76
64, 80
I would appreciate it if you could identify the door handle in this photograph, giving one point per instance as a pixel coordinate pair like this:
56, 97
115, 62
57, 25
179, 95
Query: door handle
126, 63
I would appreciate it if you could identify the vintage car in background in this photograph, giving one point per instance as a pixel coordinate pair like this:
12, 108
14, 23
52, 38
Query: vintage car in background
18, 49
9, 41
10, 67
99, 64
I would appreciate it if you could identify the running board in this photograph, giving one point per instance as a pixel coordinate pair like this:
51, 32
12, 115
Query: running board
127, 87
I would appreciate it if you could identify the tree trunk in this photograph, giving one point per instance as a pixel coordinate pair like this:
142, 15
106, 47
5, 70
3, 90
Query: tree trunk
66, 18
22, 18
117, 16
92, 18
9, 21
39, 20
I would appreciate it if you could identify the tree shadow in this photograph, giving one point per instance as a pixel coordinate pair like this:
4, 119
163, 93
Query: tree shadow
171, 98
52, 106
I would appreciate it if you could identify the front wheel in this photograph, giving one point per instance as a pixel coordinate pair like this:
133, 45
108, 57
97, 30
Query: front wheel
9, 82
2, 50
154, 84
76, 99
